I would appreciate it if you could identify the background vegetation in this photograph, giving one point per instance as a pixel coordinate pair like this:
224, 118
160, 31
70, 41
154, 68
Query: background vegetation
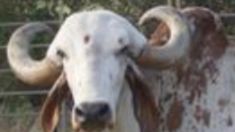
44, 10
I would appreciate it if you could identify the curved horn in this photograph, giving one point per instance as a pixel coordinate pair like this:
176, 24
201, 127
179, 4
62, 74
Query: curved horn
178, 43
43, 72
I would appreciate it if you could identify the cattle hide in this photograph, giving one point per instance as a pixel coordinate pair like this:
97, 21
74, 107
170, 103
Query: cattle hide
198, 93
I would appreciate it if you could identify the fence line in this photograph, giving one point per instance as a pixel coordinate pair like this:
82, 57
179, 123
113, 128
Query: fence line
25, 93
13, 24
2, 47
228, 18
19, 115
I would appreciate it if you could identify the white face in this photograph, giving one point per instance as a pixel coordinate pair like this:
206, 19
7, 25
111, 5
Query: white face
92, 45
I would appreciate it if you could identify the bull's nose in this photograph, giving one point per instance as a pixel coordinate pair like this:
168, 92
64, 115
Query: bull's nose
93, 114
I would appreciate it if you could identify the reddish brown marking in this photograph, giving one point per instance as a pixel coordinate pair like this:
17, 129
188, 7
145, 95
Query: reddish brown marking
202, 115
86, 39
209, 42
207, 36
175, 115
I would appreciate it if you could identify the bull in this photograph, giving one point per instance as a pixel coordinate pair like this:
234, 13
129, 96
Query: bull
121, 82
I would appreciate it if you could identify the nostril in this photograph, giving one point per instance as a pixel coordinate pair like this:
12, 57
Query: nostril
79, 112
93, 112
104, 110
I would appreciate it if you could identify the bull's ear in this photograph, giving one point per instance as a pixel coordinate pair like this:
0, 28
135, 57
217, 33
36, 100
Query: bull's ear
51, 109
145, 108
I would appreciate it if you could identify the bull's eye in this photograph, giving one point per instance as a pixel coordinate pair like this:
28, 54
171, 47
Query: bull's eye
61, 53
123, 50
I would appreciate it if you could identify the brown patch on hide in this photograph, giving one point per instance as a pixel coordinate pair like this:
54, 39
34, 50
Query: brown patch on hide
51, 109
209, 42
202, 115
145, 108
209, 38
195, 81
222, 103
175, 115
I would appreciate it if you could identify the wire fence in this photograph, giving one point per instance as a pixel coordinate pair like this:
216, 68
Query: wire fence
228, 18
34, 114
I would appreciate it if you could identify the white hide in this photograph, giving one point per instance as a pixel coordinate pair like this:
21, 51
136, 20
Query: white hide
94, 65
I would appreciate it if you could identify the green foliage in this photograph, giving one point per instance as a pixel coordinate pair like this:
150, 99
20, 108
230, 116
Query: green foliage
216, 5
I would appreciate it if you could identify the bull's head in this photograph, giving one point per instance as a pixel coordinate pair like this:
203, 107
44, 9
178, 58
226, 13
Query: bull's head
89, 57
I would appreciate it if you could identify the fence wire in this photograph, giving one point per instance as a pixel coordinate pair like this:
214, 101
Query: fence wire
27, 93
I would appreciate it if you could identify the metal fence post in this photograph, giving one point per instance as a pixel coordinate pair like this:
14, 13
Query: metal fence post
178, 4
63, 123
170, 2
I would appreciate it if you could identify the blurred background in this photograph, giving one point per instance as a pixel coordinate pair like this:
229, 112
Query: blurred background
20, 103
